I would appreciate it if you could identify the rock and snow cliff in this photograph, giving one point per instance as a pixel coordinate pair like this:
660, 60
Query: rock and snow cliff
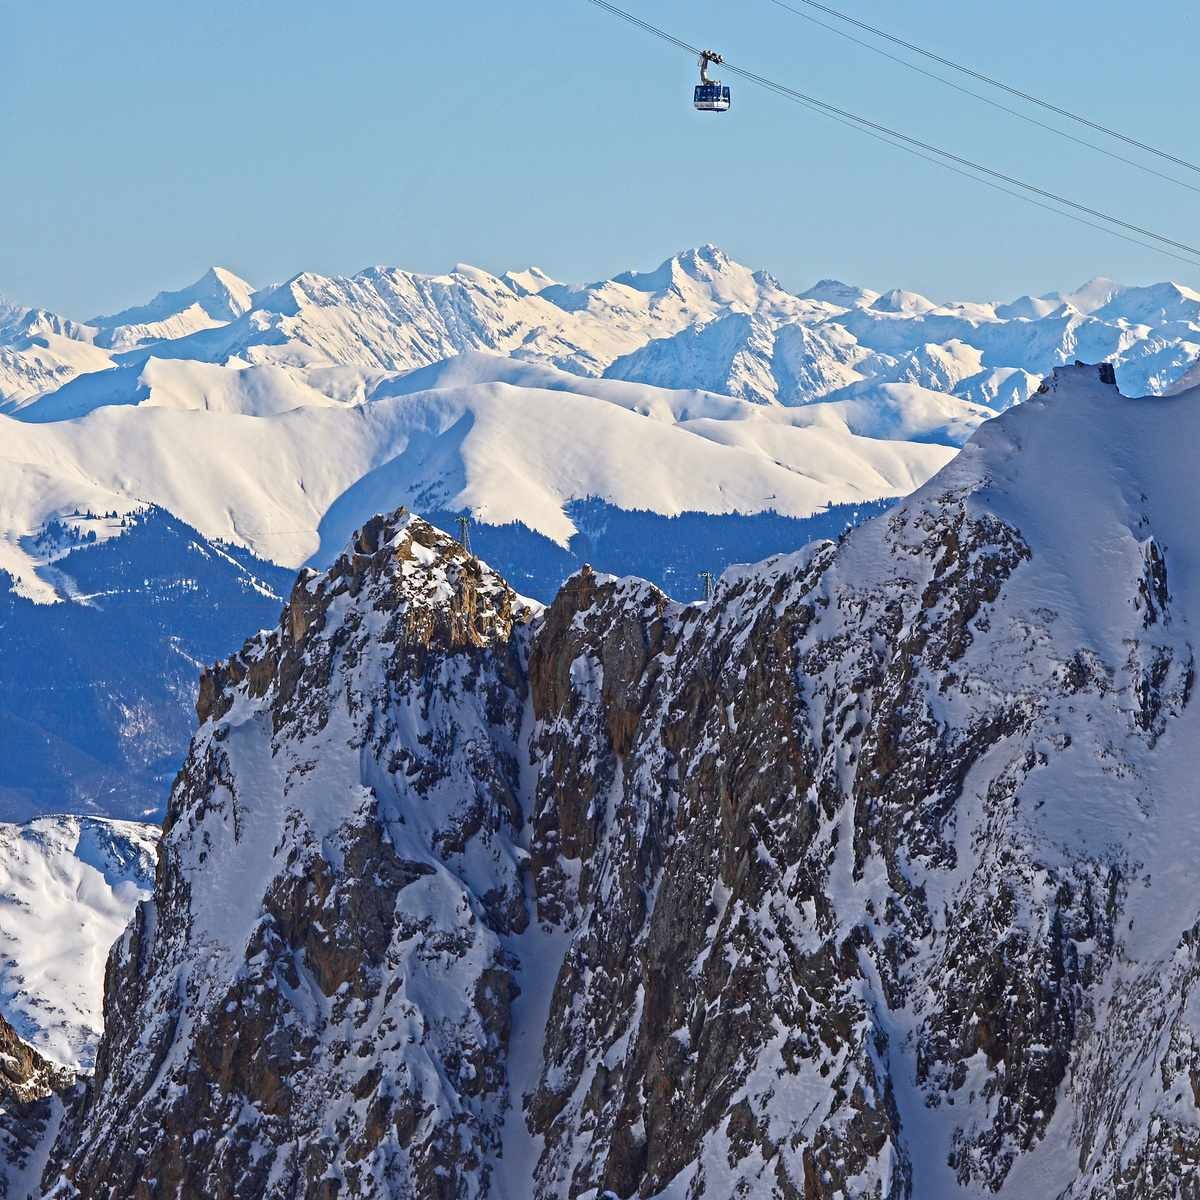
352, 1004
30, 1109
68, 887
872, 877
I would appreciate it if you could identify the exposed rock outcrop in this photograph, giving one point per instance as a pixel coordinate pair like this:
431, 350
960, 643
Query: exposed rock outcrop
31, 1092
316, 1000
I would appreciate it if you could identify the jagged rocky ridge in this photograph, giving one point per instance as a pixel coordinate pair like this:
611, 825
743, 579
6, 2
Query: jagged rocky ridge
873, 877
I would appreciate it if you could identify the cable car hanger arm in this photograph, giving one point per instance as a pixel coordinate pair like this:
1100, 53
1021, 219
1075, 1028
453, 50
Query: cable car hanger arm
706, 57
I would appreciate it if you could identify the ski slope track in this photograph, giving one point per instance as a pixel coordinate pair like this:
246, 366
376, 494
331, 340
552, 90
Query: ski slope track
280, 419
871, 877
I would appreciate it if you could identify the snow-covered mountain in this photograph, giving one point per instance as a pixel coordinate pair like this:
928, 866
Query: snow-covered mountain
871, 877
68, 887
266, 458
670, 422
216, 298
700, 320
320, 366
40, 351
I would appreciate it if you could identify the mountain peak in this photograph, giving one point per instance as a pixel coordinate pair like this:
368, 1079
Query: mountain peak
529, 282
231, 283
219, 293
844, 295
475, 274
396, 563
703, 273
1089, 296
697, 262
902, 302
708, 254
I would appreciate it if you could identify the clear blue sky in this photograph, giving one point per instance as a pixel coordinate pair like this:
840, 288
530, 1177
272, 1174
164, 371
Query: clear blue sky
142, 142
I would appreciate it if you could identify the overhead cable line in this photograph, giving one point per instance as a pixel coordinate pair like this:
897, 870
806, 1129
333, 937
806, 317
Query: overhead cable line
997, 187
922, 149
866, 123
993, 82
966, 91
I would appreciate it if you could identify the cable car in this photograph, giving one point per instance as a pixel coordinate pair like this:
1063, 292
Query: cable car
711, 95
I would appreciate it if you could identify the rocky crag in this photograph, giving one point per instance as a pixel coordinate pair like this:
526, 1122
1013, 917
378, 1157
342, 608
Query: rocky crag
30, 1108
872, 877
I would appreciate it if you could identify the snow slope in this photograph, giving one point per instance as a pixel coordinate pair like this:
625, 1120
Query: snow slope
287, 460
68, 886
40, 363
837, 394
264, 417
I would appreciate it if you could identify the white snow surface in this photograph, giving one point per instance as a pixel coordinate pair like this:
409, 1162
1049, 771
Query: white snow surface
288, 460
68, 886
281, 418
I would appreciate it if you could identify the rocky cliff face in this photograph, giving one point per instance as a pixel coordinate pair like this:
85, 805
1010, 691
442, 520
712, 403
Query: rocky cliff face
30, 1106
316, 1000
873, 877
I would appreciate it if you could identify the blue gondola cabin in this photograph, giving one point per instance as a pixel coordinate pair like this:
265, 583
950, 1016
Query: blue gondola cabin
712, 97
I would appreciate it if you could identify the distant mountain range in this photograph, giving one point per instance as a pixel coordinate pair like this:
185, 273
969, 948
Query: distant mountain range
665, 423
260, 416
